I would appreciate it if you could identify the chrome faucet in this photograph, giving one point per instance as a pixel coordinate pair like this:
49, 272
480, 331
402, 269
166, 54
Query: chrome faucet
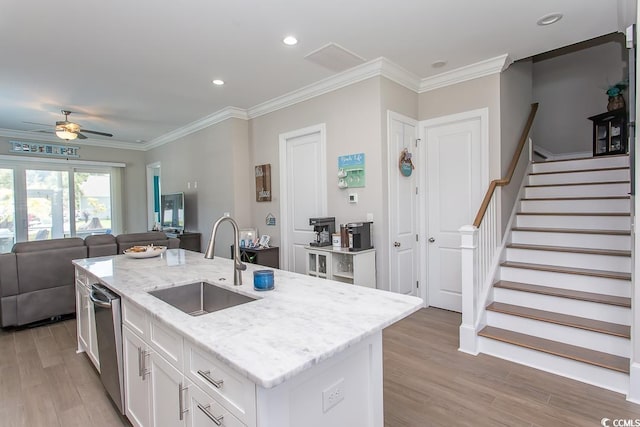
238, 266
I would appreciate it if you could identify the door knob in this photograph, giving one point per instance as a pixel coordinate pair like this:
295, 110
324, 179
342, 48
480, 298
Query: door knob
431, 240
396, 244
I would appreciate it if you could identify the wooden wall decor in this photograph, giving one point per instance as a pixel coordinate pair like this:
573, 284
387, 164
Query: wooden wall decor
263, 183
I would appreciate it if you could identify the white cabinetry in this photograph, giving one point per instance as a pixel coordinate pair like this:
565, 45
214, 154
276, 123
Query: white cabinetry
136, 384
160, 392
85, 323
358, 268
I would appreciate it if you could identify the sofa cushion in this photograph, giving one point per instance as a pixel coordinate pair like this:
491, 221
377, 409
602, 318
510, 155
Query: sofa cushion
101, 245
48, 267
45, 303
40, 245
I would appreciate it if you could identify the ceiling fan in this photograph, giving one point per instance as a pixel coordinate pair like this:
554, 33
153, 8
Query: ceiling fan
69, 130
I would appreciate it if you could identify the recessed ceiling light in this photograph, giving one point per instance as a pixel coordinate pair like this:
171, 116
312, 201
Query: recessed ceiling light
290, 41
549, 19
439, 63
218, 82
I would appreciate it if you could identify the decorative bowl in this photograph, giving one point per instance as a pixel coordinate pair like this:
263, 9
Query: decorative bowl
145, 251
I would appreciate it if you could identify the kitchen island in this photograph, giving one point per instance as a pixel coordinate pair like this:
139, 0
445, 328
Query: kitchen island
308, 353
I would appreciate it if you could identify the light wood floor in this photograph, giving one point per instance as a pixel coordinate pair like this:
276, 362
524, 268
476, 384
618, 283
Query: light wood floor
427, 382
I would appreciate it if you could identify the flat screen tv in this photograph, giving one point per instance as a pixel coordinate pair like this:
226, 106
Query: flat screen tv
172, 210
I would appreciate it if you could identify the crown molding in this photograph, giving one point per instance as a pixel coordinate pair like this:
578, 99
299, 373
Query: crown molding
210, 120
36, 136
326, 85
399, 75
468, 72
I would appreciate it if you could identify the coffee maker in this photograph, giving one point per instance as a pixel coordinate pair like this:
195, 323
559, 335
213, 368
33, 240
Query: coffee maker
359, 236
324, 228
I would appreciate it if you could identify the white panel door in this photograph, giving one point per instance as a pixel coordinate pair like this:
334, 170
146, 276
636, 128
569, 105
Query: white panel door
136, 388
304, 192
454, 190
402, 208
167, 390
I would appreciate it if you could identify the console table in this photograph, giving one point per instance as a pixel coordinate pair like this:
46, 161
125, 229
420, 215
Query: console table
188, 240
269, 257
357, 268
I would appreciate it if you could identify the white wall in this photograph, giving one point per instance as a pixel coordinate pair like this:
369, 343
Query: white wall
570, 88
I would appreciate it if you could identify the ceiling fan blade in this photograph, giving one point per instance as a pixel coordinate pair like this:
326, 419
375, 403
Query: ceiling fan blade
96, 132
39, 124
42, 131
81, 136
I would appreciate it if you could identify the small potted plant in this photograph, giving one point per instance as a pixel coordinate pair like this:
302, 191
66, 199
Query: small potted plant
616, 100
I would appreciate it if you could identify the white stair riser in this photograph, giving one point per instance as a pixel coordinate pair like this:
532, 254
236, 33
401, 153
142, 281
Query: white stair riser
577, 177
580, 205
576, 282
565, 334
620, 264
572, 307
592, 190
600, 377
575, 222
574, 240
581, 164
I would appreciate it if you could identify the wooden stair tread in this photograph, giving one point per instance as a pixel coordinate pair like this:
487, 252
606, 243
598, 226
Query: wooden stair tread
581, 158
575, 213
565, 293
578, 183
580, 354
569, 270
592, 251
580, 170
608, 328
573, 230
536, 199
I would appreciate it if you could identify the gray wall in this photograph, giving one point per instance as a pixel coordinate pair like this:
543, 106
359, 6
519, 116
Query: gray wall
516, 92
400, 100
133, 180
217, 159
466, 96
571, 88
352, 118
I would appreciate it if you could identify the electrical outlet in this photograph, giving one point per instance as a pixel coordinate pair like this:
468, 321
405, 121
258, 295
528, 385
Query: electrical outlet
370, 217
333, 395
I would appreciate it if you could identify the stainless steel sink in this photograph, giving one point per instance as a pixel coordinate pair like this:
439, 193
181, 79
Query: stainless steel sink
200, 298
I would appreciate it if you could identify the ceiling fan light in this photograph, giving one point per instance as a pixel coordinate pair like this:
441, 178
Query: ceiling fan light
65, 134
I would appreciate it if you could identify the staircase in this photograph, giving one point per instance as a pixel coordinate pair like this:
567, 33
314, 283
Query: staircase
562, 302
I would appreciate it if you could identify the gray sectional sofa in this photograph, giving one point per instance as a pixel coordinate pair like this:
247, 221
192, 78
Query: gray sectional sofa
37, 278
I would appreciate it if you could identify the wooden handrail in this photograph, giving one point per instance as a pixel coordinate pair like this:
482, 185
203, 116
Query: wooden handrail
512, 168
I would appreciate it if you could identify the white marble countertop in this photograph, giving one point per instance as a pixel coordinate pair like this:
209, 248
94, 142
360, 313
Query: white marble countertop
300, 323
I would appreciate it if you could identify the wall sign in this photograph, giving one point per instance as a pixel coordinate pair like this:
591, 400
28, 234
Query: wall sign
263, 183
44, 149
351, 171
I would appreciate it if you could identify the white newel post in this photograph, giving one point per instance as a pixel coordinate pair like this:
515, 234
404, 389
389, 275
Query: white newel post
470, 289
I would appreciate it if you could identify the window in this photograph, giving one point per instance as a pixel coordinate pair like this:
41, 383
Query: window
51, 201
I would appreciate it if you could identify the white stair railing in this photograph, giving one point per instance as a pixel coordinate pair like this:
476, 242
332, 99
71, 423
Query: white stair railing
479, 250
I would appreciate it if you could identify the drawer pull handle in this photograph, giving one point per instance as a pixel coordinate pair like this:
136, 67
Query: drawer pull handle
181, 408
206, 375
217, 420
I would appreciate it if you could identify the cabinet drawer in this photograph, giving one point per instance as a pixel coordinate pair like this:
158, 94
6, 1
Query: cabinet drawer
166, 342
202, 408
135, 318
235, 392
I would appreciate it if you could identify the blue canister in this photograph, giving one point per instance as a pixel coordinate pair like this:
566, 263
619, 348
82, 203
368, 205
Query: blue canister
263, 280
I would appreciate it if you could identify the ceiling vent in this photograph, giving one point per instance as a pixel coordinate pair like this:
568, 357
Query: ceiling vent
334, 57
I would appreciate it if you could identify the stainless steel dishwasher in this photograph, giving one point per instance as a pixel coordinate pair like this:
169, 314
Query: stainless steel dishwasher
108, 314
